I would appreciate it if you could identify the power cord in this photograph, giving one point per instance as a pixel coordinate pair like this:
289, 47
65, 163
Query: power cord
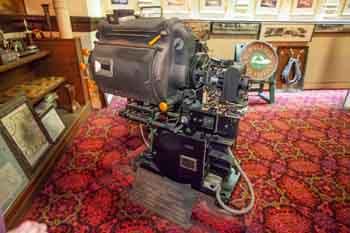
143, 137
250, 187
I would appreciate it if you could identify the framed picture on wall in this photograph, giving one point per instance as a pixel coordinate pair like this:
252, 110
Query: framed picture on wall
332, 28
304, 7
201, 29
224, 28
213, 6
242, 7
13, 179
24, 131
330, 8
176, 6
286, 32
346, 8
268, 7
119, 2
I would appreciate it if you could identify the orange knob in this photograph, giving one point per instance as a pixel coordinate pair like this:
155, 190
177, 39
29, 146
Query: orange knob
85, 52
82, 66
163, 107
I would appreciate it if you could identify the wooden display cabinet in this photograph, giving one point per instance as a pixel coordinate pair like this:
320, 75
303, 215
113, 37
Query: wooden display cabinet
60, 58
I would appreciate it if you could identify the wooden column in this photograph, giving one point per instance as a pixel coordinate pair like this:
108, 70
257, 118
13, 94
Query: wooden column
63, 19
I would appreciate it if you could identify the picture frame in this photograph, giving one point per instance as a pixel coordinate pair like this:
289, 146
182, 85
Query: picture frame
53, 124
212, 6
304, 7
201, 29
231, 28
119, 2
24, 131
330, 8
346, 8
176, 6
332, 28
286, 32
268, 7
12, 176
242, 7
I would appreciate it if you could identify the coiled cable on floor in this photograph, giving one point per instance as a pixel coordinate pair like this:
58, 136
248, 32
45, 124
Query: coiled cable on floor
250, 187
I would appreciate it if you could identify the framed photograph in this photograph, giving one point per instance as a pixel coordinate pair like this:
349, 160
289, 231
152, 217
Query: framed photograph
119, 2
235, 28
332, 28
176, 6
213, 6
346, 8
304, 7
24, 131
286, 32
330, 8
241, 7
13, 179
53, 124
268, 7
201, 29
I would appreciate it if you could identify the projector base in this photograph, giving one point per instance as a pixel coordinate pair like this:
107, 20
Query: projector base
210, 182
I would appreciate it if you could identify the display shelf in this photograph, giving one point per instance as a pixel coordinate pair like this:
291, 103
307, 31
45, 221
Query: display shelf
23, 61
49, 90
33, 99
72, 122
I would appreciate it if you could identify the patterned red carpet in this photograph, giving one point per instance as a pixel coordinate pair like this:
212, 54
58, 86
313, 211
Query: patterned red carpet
297, 153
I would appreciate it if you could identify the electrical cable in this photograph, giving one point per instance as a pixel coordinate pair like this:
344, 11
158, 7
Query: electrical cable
143, 137
250, 187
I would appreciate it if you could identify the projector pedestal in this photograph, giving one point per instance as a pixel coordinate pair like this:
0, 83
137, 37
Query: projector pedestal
228, 184
167, 198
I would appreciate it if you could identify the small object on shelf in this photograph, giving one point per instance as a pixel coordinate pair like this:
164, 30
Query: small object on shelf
67, 98
24, 60
13, 179
23, 130
53, 124
7, 56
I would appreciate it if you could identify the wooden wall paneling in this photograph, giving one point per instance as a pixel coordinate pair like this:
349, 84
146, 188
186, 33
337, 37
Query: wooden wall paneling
64, 61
